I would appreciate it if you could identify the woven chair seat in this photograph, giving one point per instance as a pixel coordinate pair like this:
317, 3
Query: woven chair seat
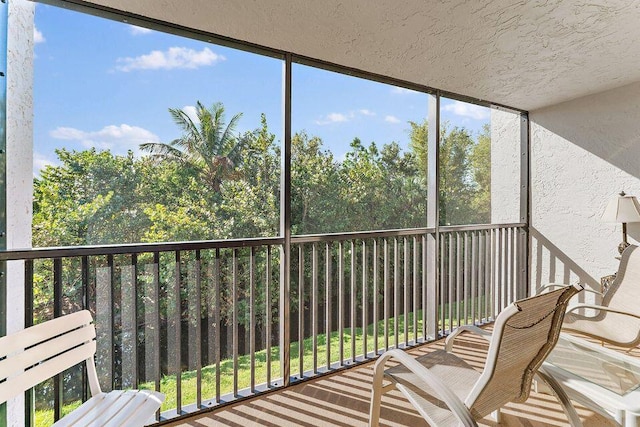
458, 374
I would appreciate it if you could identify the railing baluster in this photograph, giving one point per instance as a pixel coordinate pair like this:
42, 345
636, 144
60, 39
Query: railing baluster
365, 303
488, 293
505, 267
424, 287
328, 305
481, 285
522, 258
495, 298
441, 283
198, 319
112, 321
156, 333
136, 355
459, 275
314, 305
352, 301
499, 285
252, 318
376, 294
58, 390
415, 290
234, 301
29, 395
466, 278
301, 309
218, 336
474, 276
405, 288
387, 284
396, 292
512, 232
85, 305
341, 301
267, 290
178, 332
450, 283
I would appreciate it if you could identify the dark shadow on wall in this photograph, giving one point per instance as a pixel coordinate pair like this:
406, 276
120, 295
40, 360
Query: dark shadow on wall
560, 267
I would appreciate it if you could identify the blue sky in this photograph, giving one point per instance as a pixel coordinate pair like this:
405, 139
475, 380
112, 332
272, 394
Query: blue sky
105, 84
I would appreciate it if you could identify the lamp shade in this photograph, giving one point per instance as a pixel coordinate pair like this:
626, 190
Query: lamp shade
623, 208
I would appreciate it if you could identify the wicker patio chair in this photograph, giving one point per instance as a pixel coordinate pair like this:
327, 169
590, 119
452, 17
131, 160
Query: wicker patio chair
447, 391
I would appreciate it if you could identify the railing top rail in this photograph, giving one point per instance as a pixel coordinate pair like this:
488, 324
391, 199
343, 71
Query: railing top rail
476, 227
333, 237
330, 237
135, 248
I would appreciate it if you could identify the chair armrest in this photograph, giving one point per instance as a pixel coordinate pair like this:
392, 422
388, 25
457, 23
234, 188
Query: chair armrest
602, 308
454, 403
448, 346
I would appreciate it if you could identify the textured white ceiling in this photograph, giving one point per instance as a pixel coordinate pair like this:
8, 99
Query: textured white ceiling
521, 53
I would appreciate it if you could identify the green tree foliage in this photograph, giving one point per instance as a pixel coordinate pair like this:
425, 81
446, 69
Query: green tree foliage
481, 169
213, 183
90, 198
208, 145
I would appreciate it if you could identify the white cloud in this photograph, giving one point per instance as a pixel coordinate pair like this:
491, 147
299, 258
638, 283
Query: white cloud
403, 91
191, 111
37, 36
174, 57
342, 118
468, 110
391, 119
40, 161
333, 118
136, 31
118, 139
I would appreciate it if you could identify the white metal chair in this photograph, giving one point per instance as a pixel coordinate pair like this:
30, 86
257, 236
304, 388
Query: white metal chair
35, 354
447, 391
616, 320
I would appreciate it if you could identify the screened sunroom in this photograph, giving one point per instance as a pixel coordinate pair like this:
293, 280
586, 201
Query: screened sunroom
256, 200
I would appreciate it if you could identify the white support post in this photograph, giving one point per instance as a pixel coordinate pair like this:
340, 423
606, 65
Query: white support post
19, 166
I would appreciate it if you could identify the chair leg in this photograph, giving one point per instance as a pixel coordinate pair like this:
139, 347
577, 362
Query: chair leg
374, 409
561, 395
376, 394
496, 415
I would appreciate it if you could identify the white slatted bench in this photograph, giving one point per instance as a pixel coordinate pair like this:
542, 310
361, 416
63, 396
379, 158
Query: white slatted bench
36, 354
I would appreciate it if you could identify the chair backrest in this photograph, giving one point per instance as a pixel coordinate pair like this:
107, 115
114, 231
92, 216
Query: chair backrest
622, 296
35, 354
524, 334
624, 292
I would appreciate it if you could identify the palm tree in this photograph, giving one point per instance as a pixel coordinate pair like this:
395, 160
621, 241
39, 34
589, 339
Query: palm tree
206, 144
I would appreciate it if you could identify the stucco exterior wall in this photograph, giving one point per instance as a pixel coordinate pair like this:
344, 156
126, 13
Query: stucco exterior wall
583, 152
19, 165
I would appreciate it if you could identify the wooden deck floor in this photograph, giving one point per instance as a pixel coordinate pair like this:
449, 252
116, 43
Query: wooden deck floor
342, 400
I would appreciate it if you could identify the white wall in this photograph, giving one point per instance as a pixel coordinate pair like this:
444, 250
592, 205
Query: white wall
19, 165
583, 152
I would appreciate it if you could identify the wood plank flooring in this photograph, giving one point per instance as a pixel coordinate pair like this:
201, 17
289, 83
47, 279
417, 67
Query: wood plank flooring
342, 400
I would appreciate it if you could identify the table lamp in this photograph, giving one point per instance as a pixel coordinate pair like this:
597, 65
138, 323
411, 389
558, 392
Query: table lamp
624, 209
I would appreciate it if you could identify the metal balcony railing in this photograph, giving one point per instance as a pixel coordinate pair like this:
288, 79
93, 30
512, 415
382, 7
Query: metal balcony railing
200, 321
